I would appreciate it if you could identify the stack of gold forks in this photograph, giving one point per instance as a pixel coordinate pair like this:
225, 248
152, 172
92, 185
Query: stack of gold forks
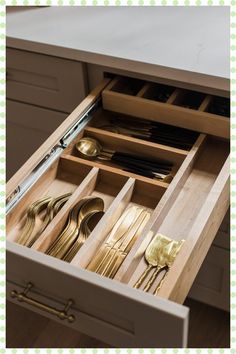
39, 214
159, 256
120, 241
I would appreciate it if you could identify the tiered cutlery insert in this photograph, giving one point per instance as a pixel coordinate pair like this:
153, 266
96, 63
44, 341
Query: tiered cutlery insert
174, 206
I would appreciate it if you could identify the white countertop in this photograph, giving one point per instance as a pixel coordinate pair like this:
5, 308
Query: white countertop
190, 44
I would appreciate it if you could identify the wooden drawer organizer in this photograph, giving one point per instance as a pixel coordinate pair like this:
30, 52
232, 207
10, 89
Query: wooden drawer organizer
137, 98
191, 207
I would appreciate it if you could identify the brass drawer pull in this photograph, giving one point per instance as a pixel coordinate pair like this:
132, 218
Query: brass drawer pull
62, 314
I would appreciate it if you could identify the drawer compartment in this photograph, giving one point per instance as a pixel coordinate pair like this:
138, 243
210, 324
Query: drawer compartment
189, 217
116, 142
45, 80
182, 108
191, 206
61, 178
136, 193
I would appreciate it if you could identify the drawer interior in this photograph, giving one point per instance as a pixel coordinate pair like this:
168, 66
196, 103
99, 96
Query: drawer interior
176, 207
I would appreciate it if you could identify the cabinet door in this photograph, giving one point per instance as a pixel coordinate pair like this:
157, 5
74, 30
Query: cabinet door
212, 282
44, 80
27, 128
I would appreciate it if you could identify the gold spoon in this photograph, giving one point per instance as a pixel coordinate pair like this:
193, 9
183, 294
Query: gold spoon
68, 229
90, 205
66, 239
87, 225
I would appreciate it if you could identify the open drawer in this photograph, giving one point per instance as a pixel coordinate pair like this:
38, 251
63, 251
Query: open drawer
191, 206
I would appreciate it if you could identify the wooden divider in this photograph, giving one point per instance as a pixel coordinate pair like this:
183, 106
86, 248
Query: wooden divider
173, 97
143, 90
140, 147
205, 103
102, 120
117, 171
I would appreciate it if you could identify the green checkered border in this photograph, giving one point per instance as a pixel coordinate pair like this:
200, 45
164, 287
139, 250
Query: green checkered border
3, 4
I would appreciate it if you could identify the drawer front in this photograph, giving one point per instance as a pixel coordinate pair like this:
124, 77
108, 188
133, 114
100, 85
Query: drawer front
44, 80
27, 129
111, 312
212, 283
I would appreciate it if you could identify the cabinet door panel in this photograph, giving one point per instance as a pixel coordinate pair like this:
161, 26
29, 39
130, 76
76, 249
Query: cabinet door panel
45, 81
212, 283
27, 128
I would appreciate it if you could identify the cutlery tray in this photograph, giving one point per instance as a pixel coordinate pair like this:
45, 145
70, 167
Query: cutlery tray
190, 207
184, 108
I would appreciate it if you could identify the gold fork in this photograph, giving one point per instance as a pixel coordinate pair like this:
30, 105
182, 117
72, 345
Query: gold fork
158, 253
173, 251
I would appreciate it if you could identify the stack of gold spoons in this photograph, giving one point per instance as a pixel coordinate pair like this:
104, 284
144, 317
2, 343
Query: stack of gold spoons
120, 241
76, 229
159, 255
38, 216
87, 225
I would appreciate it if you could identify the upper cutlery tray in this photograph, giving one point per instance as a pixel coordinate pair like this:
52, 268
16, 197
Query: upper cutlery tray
166, 104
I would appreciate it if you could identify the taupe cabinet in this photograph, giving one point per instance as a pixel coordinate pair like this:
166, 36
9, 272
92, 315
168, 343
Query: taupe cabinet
41, 91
